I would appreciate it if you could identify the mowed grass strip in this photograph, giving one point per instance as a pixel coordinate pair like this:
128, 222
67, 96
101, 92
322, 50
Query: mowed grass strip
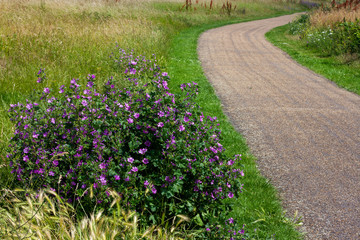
258, 206
344, 70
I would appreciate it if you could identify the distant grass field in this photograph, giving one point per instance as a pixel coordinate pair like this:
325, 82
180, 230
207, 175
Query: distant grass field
72, 39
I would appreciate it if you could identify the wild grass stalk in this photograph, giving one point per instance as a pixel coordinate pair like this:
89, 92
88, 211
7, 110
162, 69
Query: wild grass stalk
320, 18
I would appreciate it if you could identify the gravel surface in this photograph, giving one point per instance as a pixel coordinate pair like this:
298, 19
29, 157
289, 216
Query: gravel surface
304, 130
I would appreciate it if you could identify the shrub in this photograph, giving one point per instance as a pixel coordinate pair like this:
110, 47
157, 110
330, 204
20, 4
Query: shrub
343, 37
154, 148
300, 24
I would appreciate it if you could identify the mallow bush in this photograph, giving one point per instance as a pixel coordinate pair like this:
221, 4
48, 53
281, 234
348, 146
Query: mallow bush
156, 149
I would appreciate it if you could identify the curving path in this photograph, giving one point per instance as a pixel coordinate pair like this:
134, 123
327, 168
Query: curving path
304, 130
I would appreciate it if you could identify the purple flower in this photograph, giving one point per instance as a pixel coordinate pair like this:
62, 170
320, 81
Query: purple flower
84, 103
160, 124
147, 143
132, 70
164, 74
102, 166
136, 115
29, 106
51, 173
130, 160
52, 120
103, 180
208, 229
26, 158
26, 150
130, 120
90, 84
230, 162
146, 183
46, 90
161, 114
230, 195
145, 161
142, 151
56, 163
134, 169
181, 128
117, 177
127, 179
153, 190
133, 62
231, 220
186, 119
35, 135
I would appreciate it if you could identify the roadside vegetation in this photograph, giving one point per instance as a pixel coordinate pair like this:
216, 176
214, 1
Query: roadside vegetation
72, 73
326, 40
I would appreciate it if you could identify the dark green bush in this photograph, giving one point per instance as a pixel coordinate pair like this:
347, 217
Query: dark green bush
155, 149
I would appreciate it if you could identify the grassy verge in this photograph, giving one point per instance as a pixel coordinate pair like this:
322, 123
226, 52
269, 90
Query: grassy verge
258, 206
339, 69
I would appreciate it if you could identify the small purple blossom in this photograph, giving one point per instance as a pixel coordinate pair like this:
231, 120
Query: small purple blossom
160, 124
130, 120
132, 71
142, 151
181, 128
134, 169
130, 160
230, 195
145, 161
147, 143
117, 177
46, 90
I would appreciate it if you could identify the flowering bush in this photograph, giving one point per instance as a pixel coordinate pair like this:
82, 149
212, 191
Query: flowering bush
156, 149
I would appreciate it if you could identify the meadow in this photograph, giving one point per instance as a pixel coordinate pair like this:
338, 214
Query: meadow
72, 39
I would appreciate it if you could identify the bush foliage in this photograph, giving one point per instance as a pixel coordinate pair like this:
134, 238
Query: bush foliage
331, 38
154, 148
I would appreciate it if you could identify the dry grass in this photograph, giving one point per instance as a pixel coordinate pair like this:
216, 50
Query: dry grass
320, 18
46, 216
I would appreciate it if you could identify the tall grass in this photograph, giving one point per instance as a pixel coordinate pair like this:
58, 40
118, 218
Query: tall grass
320, 18
44, 215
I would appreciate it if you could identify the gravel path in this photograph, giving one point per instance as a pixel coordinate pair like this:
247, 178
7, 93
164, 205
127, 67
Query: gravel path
304, 130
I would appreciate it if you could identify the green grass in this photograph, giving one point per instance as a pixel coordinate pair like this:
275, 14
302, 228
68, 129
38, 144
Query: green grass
339, 69
258, 206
